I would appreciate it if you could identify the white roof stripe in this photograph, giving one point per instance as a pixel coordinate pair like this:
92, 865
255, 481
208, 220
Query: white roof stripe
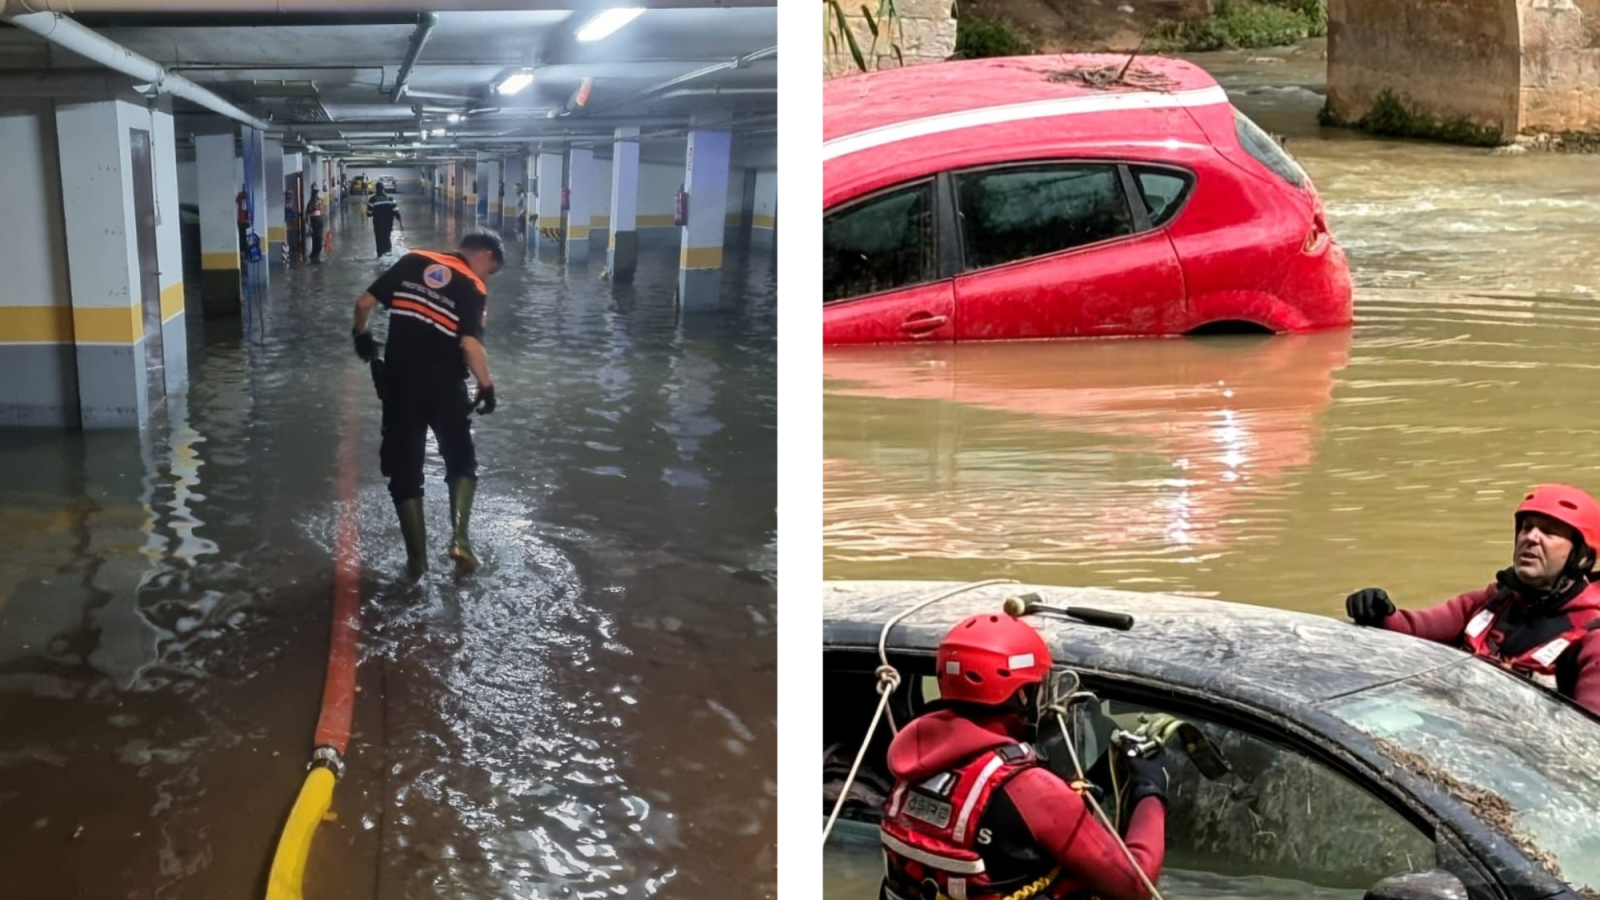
1017, 112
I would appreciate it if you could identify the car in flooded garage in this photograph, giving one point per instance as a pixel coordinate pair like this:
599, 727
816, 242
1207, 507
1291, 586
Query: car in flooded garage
1329, 761
1064, 196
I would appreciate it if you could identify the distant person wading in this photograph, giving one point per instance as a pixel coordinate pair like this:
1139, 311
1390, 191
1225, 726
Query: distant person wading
383, 212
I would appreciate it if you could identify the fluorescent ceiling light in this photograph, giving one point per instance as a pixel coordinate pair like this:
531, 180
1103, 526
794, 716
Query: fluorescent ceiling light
438, 132
514, 82
602, 26
453, 118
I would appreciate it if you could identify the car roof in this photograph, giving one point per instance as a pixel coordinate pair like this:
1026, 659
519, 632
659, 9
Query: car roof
876, 99
883, 127
1260, 656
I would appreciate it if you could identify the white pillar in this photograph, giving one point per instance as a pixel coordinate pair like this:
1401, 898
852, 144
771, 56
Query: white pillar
580, 187
549, 202
706, 182
530, 217
254, 161
219, 229
274, 201
622, 246
103, 263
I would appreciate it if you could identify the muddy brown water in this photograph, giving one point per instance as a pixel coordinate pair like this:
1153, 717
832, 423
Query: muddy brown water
590, 715
1285, 471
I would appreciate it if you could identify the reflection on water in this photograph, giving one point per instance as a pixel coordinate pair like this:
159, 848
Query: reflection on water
590, 715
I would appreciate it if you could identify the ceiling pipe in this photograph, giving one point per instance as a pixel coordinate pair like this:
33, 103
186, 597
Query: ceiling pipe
738, 62
63, 83
720, 92
327, 7
69, 35
425, 25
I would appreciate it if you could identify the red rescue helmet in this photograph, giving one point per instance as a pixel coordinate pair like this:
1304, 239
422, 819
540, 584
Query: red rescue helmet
986, 658
1568, 505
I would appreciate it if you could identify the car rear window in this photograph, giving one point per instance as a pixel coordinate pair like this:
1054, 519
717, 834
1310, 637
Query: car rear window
1259, 144
1027, 211
1163, 192
879, 244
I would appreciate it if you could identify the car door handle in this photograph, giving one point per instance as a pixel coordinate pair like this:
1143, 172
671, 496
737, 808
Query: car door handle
922, 323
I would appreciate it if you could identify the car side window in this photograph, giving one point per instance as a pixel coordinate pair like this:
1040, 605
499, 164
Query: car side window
1265, 814
1163, 192
879, 244
1026, 211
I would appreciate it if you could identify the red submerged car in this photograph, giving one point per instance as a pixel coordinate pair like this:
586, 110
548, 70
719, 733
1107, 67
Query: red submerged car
1061, 196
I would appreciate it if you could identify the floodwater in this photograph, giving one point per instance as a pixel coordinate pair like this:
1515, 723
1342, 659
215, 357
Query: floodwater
1285, 471
592, 714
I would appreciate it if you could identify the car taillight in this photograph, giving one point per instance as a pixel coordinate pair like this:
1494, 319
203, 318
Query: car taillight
1318, 236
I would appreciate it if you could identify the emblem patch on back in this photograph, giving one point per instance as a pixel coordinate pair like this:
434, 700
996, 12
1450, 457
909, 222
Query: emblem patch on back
436, 276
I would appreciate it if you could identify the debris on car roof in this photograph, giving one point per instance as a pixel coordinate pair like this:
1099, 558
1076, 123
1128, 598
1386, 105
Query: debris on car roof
1113, 76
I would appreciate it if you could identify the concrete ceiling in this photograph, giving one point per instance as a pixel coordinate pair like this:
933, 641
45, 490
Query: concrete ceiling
328, 81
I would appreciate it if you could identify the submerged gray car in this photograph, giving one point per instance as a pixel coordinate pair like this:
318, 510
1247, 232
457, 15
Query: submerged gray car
1354, 755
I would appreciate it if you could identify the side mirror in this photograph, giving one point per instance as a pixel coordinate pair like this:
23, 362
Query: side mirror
1434, 884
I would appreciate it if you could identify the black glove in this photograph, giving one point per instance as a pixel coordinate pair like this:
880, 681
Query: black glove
366, 347
485, 403
1369, 606
1146, 777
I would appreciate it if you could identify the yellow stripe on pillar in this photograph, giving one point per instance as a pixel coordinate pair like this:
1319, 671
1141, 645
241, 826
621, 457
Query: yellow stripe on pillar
701, 258
220, 259
765, 221
600, 221
35, 324
580, 232
276, 233
171, 300
107, 324
549, 221
653, 221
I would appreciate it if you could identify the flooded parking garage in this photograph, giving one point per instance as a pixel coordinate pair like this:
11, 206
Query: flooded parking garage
592, 713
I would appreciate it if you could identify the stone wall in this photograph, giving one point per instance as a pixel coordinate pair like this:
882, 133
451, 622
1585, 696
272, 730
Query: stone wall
1560, 66
1517, 66
925, 33
1446, 59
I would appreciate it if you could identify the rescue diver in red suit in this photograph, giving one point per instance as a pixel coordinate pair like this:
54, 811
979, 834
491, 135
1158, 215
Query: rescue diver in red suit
974, 815
1541, 617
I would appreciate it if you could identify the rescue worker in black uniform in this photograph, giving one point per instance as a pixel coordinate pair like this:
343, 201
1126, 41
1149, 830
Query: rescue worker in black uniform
436, 304
383, 212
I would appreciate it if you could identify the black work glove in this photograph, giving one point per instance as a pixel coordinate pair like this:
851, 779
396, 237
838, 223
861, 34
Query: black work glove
1147, 777
366, 347
1369, 606
485, 403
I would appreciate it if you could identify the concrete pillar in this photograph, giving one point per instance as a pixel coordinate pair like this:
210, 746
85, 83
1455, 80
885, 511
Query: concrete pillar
254, 161
706, 182
481, 187
580, 187
498, 212
622, 246
115, 320
274, 201
219, 230
549, 202
764, 219
530, 215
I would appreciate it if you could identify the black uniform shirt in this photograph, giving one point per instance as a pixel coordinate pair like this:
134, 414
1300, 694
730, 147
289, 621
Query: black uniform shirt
383, 212
434, 300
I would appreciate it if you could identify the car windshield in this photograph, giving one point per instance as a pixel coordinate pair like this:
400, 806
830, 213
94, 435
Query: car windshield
1483, 734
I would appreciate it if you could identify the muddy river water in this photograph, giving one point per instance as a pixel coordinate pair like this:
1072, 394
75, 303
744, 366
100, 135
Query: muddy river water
1285, 471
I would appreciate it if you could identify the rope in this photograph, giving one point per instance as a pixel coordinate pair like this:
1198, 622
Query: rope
1077, 766
888, 680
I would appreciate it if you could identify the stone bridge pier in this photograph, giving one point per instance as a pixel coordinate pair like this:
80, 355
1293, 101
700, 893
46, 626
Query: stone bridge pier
1480, 70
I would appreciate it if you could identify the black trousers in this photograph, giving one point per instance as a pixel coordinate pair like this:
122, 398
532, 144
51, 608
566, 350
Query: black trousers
382, 234
316, 237
413, 405
243, 230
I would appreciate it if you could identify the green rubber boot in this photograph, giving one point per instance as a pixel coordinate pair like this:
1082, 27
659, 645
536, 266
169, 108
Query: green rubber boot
414, 528
461, 491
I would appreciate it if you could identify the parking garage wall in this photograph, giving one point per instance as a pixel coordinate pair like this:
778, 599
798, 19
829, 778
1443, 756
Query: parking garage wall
406, 178
38, 369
